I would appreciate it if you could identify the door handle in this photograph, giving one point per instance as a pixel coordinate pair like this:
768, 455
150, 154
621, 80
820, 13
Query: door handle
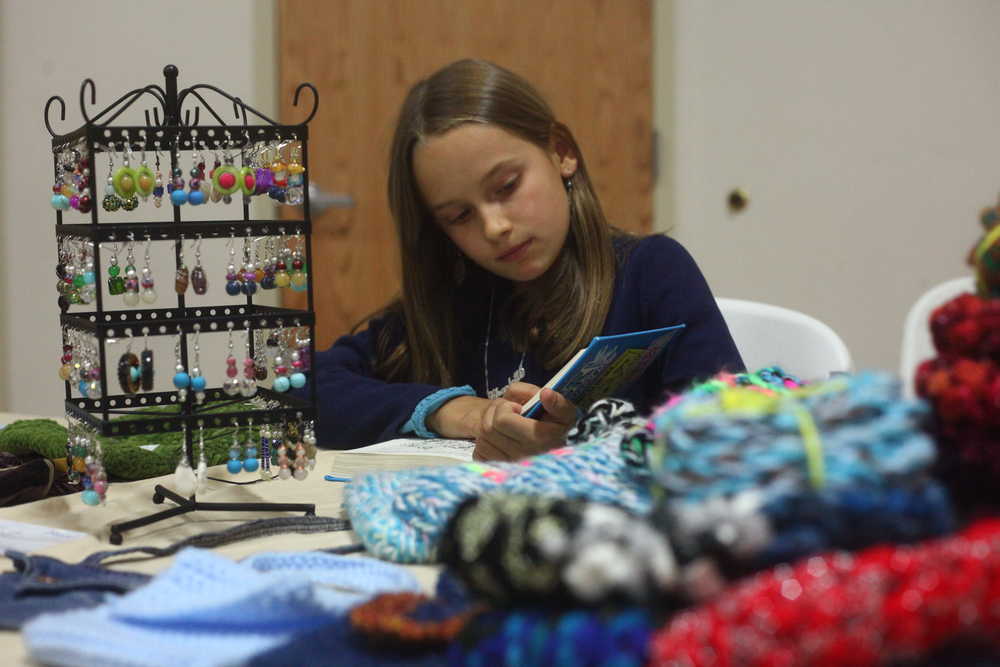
319, 200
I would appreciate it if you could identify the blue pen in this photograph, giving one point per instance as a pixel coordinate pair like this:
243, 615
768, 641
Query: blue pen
334, 478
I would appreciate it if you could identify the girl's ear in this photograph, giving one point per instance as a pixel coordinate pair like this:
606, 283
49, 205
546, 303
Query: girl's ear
564, 153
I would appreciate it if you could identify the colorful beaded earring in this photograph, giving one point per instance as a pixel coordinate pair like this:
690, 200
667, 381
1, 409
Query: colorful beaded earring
298, 278
265, 454
294, 195
199, 279
75, 454
148, 293
250, 463
309, 439
61, 192
131, 294
195, 196
236, 455
182, 381
284, 463
95, 484
185, 480
248, 383
64, 273
129, 372
303, 343
110, 203
231, 385
279, 175
281, 278
301, 470
116, 284
90, 371
248, 273
146, 363
158, 179
259, 357
268, 268
85, 279
178, 195
226, 177
145, 179
182, 276
297, 376
66, 360
232, 277
197, 381
124, 179
281, 383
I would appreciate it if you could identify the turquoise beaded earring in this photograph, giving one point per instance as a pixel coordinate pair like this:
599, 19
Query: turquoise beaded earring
197, 380
236, 456
182, 381
250, 463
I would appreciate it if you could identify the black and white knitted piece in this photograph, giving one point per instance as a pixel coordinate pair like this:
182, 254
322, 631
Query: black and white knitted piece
603, 416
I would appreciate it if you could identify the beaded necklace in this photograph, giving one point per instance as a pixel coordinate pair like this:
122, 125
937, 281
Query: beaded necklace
518, 373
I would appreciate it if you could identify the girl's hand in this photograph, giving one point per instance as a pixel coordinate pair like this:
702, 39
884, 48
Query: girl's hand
505, 435
500, 432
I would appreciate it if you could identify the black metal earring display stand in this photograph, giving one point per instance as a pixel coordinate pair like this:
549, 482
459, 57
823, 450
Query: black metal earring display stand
171, 136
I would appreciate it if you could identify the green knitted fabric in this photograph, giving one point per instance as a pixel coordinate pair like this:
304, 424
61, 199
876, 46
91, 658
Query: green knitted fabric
123, 457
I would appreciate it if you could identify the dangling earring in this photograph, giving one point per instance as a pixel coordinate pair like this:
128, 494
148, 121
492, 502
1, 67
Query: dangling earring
145, 180
66, 360
284, 465
61, 192
232, 277
197, 381
124, 179
148, 291
250, 463
178, 196
265, 454
297, 378
182, 276
86, 277
294, 194
279, 173
248, 385
249, 275
281, 382
116, 284
199, 280
260, 357
110, 203
128, 369
309, 439
95, 484
281, 278
131, 295
300, 472
146, 364
299, 279
181, 379
226, 178
231, 385
158, 181
235, 463
267, 280
195, 196
184, 477
569, 184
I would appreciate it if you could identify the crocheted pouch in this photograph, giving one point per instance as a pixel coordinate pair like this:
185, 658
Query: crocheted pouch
400, 516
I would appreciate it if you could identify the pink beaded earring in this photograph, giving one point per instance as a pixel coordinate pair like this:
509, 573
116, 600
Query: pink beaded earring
248, 384
231, 385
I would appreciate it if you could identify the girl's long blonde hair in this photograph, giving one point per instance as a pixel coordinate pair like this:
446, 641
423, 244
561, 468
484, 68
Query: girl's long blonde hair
553, 315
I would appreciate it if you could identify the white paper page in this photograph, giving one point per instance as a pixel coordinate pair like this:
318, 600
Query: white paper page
460, 450
30, 537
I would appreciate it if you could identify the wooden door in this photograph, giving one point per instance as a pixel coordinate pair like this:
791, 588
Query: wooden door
590, 58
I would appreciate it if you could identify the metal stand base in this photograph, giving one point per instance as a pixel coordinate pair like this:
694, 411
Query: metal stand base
185, 505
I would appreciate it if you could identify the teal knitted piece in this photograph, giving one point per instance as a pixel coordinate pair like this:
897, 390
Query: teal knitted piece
401, 516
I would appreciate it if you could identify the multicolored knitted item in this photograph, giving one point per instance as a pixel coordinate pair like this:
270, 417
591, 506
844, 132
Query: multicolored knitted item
515, 549
400, 516
886, 605
579, 638
754, 477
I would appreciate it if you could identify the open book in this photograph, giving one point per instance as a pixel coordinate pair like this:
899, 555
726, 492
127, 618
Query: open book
399, 454
605, 367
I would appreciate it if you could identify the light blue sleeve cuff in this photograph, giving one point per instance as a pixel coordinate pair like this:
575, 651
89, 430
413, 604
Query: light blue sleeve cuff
417, 424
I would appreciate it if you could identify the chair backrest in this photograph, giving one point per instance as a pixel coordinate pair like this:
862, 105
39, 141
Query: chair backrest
768, 335
917, 344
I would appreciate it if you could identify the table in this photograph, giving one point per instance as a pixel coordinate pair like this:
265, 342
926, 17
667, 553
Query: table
131, 500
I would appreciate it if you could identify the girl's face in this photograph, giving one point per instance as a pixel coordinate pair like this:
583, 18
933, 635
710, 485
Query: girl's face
499, 198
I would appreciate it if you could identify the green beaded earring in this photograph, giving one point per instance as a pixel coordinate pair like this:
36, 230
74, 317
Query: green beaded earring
116, 283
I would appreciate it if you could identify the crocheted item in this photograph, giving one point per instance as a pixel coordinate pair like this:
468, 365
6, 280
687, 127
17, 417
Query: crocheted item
579, 638
206, 610
885, 605
415, 620
967, 326
521, 549
400, 516
984, 256
752, 476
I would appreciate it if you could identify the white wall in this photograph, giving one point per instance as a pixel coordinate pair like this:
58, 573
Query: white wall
865, 133
49, 48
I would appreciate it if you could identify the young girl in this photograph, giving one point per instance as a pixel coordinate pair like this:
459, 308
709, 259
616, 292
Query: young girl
509, 267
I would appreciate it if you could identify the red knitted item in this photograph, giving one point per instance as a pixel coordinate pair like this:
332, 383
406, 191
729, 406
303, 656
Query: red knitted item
967, 326
880, 606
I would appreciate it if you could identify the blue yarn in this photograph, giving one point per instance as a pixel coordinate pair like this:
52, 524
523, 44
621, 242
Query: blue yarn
526, 637
417, 423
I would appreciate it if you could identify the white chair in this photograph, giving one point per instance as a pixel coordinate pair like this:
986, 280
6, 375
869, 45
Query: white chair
917, 343
769, 335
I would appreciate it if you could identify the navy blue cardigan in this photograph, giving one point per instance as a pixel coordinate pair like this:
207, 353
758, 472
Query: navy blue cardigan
657, 284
